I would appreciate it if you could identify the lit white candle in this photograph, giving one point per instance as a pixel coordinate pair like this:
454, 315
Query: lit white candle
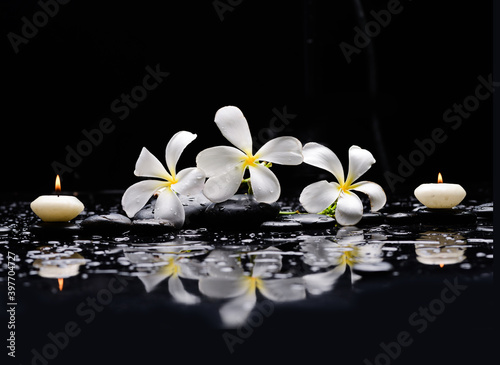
57, 208
440, 195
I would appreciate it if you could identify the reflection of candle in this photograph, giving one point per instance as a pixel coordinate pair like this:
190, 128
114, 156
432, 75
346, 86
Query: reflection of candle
57, 208
440, 195
59, 268
441, 248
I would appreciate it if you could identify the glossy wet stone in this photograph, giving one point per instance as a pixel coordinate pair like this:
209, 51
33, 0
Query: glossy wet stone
5, 230
401, 218
484, 210
445, 216
281, 226
107, 223
151, 226
194, 207
372, 218
145, 213
312, 221
242, 211
55, 229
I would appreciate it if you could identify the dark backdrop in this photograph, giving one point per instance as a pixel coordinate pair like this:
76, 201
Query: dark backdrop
268, 58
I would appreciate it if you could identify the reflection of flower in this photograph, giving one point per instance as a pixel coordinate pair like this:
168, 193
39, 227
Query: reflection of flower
347, 249
188, 181
441, 248
320, 195
174, 263
225, 165
227, 279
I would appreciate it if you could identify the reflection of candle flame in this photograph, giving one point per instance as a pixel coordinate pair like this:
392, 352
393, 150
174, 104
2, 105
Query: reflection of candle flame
441, 265
60, 280
440, 178
58, 184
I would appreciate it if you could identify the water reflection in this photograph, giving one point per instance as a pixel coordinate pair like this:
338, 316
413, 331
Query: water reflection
56, 262
238, 276
235, 273
170, 261
440, 248
348, 249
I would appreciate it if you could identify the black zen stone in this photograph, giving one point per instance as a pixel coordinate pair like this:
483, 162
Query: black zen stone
194, 207
484, 210
241, 211
151, 226
440, 217
312, 221
281, 226
372, 218
108, 223
145, 213
401, 218
55, 230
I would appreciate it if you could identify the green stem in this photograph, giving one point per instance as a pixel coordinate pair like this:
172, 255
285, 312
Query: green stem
330, 211
289, 213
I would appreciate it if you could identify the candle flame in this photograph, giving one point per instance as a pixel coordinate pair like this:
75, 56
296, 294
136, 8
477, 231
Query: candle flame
58, 184
440, 178
60, 281
441, 265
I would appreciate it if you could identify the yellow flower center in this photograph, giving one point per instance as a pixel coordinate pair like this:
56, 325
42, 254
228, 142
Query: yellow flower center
172, 268
254, 282
250, 160
345, 187
349, 257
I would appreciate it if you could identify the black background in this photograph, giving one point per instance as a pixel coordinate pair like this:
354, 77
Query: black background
256, 56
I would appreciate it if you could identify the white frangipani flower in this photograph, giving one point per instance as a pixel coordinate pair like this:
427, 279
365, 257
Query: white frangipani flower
320, 195
188, 182
226, 165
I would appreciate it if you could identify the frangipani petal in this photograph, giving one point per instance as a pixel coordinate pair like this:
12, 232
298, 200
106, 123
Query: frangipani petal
175, 146
282, 150
360, 161
190, 181
148, 165
169, 207
283, 290
322, 282
218, 160
223, 287
265, 185
234, 127
137, 195
349, 209
180, 294
151, 281
235, 312
320, 156
319, 196
221, 187
190, 269
374, 192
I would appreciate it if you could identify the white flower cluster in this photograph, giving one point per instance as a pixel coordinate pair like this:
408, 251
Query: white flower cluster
220, 171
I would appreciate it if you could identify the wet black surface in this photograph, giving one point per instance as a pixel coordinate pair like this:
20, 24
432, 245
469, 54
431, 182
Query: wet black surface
394, 289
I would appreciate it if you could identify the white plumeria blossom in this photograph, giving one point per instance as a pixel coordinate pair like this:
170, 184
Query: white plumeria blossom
320, 195
225, 165
166, 183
